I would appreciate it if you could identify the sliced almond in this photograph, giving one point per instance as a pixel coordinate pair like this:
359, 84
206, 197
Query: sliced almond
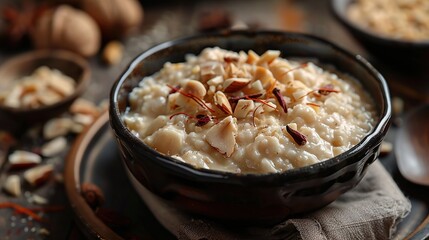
252, 57
215, 81
38, 175
12, 185
296, 89
254, 88
209, 70
57, 127
222, 102
83, 119
222, 136
269, 107
244, 107
265, 76
282, 71
268, 57
23, 159
234, 84
195, 88
54, 147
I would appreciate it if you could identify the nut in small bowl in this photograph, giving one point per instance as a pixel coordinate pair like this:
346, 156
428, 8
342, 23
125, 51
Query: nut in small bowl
394, 31
39, 85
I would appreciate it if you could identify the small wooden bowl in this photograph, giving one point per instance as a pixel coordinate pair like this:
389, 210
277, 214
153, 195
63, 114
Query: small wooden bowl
70, 64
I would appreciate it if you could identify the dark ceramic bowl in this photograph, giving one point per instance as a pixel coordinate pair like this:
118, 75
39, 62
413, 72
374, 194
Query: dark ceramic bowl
70, 64
249, 197
398, 52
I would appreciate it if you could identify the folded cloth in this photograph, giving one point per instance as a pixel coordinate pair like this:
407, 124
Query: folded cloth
371, 210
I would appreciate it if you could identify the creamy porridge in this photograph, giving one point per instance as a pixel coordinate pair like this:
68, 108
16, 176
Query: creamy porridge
248, 113
403, 19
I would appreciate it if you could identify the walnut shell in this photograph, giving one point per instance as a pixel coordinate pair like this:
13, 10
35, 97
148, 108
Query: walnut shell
67, 28
116, 18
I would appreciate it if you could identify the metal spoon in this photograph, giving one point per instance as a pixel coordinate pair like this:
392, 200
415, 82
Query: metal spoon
412, 146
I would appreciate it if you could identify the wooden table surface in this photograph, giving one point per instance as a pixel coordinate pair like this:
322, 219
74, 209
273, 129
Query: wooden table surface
181, 19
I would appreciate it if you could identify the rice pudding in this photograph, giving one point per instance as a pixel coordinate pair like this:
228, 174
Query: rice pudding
248, 113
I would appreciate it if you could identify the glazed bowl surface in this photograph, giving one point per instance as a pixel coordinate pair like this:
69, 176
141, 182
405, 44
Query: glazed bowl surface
402, 53
70, 64
249, 198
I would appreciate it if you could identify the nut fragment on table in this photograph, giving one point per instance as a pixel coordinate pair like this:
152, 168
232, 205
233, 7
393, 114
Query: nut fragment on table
112, 53
38, 175
57, 127
12, 185
23, 159
43, 87
54, 147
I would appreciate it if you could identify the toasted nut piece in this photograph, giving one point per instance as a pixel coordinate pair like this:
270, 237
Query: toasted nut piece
209, 70
222, 102
54, 147
23, 159
296, 89
268, 57
282, 71
12, 185
112, 53
254, 88
244, 106
252, 57
234, 84
222, 136
269, 107
232, 71
38, 175
84, 106
215, 81
195, 88
83, 119
57, 127
265, 76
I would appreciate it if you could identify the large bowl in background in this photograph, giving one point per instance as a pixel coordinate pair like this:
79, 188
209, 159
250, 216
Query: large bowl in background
70, 64
398, 52
248, 197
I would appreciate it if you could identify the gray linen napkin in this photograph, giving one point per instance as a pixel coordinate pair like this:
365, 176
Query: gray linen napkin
371, 210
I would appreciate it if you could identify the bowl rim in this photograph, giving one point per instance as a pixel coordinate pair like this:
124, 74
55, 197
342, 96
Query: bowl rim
340, 15
210, 175
81, 83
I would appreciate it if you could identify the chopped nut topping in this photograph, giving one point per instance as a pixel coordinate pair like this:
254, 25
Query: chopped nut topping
222, 102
